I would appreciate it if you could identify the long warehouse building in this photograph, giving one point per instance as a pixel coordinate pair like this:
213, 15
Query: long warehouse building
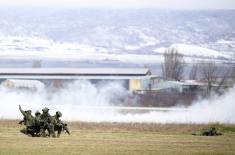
135, 78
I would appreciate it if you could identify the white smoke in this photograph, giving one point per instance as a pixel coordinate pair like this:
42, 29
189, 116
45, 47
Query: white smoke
69, 100
84, 101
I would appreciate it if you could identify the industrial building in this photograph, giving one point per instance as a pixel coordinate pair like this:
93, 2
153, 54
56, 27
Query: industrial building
150, 90
134, 78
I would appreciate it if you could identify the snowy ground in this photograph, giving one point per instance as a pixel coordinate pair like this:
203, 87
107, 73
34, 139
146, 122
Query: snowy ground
33, 48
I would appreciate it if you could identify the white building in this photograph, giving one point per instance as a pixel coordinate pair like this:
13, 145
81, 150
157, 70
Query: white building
33, 85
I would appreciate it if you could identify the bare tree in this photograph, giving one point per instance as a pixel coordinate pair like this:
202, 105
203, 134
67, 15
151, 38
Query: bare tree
173, 66
208, 74
226, 74
233, 73
193, 74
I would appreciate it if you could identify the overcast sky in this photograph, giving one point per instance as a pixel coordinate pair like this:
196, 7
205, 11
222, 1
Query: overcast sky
162, 4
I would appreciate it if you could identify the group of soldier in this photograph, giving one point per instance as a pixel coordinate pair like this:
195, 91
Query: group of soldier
211, 131
42, 124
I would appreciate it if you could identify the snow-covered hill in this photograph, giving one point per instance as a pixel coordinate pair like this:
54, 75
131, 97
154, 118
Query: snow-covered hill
195, 51
34, 48
120, 36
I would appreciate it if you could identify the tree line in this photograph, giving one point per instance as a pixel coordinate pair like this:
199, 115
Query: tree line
209, 73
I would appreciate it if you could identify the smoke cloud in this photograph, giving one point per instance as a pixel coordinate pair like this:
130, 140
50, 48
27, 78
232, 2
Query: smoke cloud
84, 101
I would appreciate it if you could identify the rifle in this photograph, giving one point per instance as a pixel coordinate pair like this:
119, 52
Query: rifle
65, 127
21, 122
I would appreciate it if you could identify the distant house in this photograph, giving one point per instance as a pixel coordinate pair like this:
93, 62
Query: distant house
178, 86
146, 83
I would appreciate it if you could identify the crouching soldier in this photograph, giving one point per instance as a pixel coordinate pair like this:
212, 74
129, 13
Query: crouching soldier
56, 124
37, 123
208, 132
44, 120
211, 132
28, 122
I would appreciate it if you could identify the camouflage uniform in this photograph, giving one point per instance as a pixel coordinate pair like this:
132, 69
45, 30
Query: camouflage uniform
209, 132
28, 122
44, 122
56, 124
37, 122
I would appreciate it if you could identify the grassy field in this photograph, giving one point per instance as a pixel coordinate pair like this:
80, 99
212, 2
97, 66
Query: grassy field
118, 139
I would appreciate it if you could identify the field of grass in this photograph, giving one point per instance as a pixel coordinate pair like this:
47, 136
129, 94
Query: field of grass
118, 139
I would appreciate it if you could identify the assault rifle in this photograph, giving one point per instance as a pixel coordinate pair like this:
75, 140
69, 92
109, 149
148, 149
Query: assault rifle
65, 127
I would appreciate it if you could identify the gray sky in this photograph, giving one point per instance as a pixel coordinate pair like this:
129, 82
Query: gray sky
163, 4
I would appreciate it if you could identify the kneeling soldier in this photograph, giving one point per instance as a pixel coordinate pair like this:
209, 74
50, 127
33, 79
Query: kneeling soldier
44, 120
56, 124
37, 123
28, 122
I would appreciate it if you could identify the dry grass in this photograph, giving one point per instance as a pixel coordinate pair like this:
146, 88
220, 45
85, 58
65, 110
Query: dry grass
119, 139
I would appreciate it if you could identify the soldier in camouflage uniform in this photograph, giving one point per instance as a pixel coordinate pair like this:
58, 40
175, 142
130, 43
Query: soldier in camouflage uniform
44, 122
28, 122
56, 124
208, 132
37, 122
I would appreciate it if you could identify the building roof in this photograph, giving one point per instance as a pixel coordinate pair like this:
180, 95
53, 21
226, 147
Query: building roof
176, 84
71, 73
31, 77
23, 83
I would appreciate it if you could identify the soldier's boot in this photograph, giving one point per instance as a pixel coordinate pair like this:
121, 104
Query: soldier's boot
53, 135
42, 133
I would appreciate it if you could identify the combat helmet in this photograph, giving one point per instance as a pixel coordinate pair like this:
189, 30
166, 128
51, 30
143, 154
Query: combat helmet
28, 111
37, 113
45, 109
59, 114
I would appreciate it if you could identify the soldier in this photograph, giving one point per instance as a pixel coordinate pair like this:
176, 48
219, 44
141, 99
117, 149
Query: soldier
37, 122
210, 132
21, 122
44, 122
28, 122
56, 124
